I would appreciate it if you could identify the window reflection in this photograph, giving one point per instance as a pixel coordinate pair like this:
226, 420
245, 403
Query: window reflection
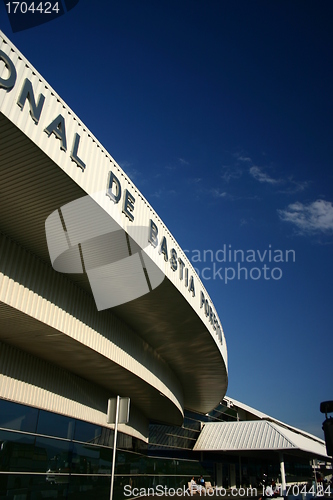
18, 486
89, 459
86, 432
17, 417
16, 451
52, 424
70, 457
53, 456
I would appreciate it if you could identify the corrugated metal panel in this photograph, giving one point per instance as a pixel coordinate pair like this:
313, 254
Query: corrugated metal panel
32, 381
62, 318
94, 177
250, 435
31, 188
251, 413
44, 178
29, 193
255, 435
303, 442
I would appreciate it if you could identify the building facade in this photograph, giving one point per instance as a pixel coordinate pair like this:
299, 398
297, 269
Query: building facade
97, 299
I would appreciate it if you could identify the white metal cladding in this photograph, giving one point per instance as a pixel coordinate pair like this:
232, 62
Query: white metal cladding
38, 177
34, 186
255, 435
94, 178
46, 314
246, 412
29, 380
302, 440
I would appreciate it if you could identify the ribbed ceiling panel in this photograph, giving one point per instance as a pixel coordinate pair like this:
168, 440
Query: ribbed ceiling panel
256, 435
28, 175
249, 435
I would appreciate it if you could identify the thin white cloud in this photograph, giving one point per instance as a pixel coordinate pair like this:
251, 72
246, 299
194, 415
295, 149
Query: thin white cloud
229, 173
195, 180
288, 185
163, 193
245, 159
316, 217
217, 193
242, 158
132, 172
261, 176
294, 186
157, 194
174, 165
125, 164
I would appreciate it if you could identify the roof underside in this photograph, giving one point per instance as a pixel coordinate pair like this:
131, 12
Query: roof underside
32, 186
258, 435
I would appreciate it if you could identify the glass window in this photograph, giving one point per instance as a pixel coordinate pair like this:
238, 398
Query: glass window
52, 456
86, 432
19, 486
92, 487
91, 459
129, 463
53, 424
17, 417
16, 451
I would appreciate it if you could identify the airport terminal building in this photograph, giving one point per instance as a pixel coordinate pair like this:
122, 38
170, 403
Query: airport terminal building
97, 299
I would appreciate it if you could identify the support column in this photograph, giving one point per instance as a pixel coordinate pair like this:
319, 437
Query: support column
283, 474
240, 471
315, 474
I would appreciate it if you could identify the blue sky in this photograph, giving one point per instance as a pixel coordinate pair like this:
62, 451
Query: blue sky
221, 114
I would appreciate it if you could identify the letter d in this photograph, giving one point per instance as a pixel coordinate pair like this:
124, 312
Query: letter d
113, 180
